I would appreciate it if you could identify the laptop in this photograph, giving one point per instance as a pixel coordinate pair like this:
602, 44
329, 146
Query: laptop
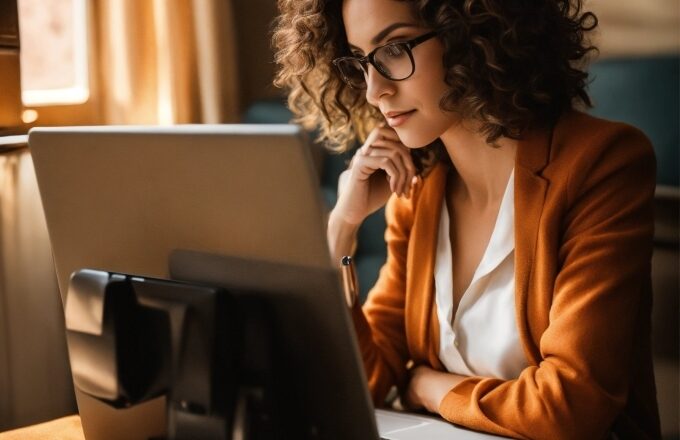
126, 198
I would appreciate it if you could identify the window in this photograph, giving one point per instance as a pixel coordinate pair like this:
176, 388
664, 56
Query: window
54, 65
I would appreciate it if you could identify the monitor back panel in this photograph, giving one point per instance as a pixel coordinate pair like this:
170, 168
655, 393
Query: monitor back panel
122, 198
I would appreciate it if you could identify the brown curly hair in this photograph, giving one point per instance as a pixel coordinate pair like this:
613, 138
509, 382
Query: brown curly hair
510, 64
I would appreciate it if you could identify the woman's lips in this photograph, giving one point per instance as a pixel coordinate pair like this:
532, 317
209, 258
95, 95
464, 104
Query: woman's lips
397, 119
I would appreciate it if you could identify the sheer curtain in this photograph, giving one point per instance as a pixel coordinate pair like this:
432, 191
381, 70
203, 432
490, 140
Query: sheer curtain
166, 61
35, 380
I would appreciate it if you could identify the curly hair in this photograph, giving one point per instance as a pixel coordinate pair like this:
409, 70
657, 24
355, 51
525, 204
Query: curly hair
510, 64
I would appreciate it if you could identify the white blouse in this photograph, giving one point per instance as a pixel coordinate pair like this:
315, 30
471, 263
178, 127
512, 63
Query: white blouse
482, 339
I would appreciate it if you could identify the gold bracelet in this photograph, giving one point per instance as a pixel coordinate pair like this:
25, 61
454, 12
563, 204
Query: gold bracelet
349, 280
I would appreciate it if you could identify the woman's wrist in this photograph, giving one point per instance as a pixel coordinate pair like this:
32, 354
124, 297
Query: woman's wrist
429, 387
341, 237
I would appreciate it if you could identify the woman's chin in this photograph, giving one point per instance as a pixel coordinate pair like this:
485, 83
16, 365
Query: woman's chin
415, 140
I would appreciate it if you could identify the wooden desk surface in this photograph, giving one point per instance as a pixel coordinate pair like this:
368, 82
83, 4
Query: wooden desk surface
66, 428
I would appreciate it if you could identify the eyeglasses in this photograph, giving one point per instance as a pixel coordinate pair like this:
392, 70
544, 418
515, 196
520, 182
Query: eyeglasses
394, 61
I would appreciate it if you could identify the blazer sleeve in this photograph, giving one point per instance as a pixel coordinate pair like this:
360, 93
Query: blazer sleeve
379, 323
600, 295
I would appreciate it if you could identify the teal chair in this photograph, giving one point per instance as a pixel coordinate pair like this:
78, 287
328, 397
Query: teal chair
645, 92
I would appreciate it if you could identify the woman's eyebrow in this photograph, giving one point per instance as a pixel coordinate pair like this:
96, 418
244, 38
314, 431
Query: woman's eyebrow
385, 32
388, 30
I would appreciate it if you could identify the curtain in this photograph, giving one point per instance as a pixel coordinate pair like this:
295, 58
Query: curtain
35, 380
165, 61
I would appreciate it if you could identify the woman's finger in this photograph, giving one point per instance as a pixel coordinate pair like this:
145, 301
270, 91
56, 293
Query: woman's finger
396, 153
367, 166
401, 154
384, 142
383, 148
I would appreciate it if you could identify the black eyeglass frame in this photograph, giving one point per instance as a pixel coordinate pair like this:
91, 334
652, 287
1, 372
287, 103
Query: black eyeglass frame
364, 61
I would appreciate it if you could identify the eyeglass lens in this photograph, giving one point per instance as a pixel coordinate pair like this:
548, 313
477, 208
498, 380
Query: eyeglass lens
392, 61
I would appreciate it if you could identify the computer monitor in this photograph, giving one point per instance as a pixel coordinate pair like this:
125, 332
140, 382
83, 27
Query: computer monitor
122, 199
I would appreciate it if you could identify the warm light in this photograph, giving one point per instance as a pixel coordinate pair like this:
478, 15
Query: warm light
54, 63
166, 97
29, 116
74, 95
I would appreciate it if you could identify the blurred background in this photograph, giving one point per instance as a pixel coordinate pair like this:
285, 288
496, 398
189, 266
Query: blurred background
82, 62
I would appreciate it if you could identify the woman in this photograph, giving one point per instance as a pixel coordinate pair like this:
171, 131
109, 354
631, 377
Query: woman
516, 294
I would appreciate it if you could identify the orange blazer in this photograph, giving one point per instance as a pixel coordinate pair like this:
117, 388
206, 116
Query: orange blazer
583, 246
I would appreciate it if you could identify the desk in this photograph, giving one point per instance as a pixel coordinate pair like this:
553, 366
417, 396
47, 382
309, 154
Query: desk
70, 428
66, 428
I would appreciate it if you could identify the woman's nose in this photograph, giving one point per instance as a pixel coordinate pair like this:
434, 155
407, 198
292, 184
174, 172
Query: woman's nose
377, 86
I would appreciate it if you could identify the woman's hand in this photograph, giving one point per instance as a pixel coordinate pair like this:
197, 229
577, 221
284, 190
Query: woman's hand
427, 388
380, 167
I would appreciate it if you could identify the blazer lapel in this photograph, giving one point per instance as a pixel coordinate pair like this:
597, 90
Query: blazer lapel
531, 158
420, 311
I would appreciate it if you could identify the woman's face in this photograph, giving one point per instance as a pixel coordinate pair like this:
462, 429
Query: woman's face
410, 106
